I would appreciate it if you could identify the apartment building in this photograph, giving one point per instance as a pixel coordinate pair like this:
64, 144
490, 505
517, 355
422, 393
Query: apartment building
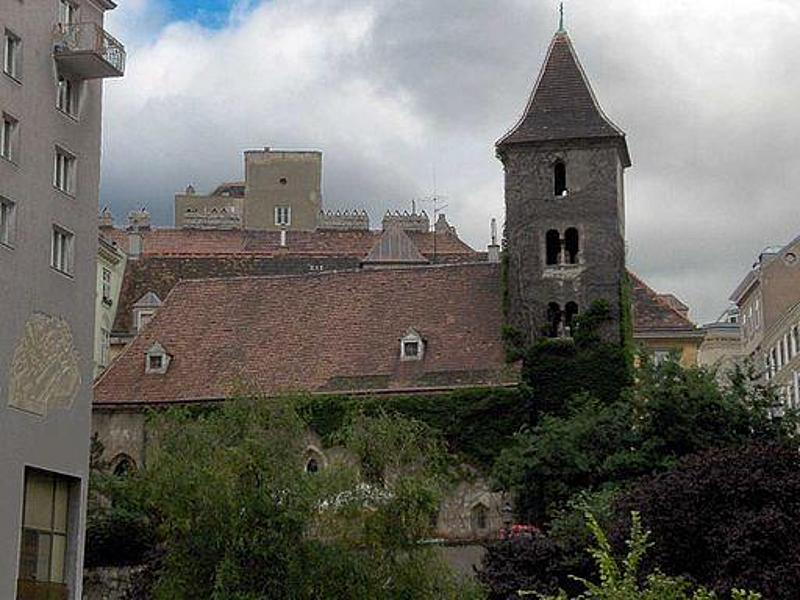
55, 55
768, 302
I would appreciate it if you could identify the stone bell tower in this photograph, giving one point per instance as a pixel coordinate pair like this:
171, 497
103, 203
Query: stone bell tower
565, 206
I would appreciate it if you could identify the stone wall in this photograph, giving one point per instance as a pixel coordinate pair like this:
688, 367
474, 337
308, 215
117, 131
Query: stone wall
109, 583
594, 205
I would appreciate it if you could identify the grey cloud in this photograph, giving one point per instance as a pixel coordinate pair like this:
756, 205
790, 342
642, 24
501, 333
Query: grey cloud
394, 90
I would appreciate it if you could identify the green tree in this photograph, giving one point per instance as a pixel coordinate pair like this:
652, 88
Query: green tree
237, 516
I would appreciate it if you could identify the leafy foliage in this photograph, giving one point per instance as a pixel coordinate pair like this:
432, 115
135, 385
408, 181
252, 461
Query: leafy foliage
237, 517
476, 424
558, 369
726, 518
622, 579
671, 412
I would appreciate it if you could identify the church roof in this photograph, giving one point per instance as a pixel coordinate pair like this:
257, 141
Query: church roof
562, 105
169, 255
329, 332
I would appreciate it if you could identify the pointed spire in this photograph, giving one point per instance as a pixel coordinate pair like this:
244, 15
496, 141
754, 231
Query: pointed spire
562, 105
561, 18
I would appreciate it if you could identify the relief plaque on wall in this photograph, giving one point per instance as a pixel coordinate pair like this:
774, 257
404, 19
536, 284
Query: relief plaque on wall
45, 372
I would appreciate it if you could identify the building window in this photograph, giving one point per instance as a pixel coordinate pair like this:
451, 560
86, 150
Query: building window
64, 171
283, 216
795, 341
479, 518
12, 55
67, 12
6, 222
43, 552
105, 346
156, 360
552, 247
661, 356
560, 178
67, 96
571, 245
106, 276
553, 328
61, 250
143, 317
412, 346
570, 312
9, 138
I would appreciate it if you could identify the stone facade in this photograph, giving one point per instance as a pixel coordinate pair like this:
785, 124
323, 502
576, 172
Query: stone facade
282, 190
594, 206
565, 206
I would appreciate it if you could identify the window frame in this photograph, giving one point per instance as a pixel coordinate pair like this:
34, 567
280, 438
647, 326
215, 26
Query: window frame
105, 285
7, 222
71, 10
279, 212
412, 337
9, 138
12, 55
65, 171
68, 96
53, 531
62, 250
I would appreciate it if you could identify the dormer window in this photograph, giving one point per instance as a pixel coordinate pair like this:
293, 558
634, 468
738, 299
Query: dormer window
156, 360
412, 346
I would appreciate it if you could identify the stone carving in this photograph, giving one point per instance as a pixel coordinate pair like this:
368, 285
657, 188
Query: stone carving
44, 371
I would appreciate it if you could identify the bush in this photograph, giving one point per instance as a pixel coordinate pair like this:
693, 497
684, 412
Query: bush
725, 518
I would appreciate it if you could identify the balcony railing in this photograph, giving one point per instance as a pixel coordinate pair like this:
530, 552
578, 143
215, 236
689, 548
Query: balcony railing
87, 51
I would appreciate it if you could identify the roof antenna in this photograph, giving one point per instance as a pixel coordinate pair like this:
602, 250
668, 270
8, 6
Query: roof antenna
561, 18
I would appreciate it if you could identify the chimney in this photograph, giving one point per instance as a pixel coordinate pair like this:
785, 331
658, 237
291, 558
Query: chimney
494, 248
134, 244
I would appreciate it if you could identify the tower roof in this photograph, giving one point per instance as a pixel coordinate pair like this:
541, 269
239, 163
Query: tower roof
562, 105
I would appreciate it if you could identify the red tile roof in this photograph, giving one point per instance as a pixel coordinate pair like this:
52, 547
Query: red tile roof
185, 242
652, 312
326, 332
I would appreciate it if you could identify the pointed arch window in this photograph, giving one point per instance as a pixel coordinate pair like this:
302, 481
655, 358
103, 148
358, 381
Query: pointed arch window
552, 247
559, 178
571, 245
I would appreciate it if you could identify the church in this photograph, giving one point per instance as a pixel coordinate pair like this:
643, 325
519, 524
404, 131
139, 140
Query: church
387, 317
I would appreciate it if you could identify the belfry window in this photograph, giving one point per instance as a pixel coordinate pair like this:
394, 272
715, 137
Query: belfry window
571, 245
553, 320
560, 178
552, 247
570, 312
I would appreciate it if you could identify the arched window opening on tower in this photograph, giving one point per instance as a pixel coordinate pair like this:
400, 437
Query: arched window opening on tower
570, 312
571, 245
560, 178
553, 320
552, 247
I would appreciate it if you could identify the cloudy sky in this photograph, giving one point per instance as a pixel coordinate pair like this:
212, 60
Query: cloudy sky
405, 97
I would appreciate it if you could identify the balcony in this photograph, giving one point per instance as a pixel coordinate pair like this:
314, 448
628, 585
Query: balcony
86, 51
